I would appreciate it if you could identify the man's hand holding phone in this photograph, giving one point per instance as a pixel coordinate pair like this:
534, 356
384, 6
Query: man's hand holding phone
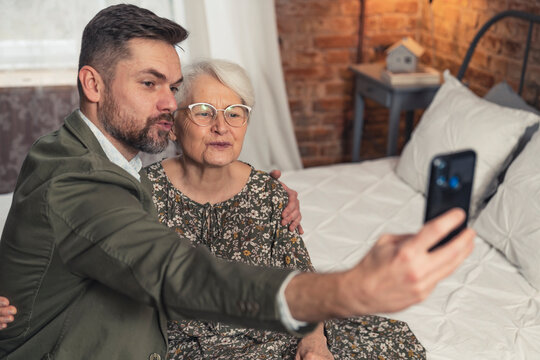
419, 261
399, 270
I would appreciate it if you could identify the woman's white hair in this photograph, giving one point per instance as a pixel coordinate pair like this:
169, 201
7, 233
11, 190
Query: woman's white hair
229, 74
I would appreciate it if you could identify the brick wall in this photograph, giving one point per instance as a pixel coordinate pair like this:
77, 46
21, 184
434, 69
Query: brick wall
319, 39
499, 54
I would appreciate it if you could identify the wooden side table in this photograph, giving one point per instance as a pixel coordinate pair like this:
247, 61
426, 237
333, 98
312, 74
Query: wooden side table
397, 98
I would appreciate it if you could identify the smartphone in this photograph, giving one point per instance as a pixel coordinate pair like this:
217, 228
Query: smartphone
450, 184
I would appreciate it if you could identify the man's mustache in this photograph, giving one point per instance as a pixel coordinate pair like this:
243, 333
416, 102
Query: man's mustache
163, 117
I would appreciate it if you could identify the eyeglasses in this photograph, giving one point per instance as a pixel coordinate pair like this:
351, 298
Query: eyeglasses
204, 114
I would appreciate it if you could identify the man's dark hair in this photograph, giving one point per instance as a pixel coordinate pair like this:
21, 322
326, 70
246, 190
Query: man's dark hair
105, 37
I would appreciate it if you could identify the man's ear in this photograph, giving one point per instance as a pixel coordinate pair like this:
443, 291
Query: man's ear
92, 83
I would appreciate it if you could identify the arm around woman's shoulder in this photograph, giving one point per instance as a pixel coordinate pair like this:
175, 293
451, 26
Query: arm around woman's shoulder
289, 248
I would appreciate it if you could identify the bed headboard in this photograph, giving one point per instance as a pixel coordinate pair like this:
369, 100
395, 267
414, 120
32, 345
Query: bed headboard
532, 19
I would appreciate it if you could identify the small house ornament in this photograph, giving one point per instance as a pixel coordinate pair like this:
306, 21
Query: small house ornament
403, 56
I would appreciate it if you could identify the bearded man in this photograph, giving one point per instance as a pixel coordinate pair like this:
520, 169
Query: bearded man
93, 273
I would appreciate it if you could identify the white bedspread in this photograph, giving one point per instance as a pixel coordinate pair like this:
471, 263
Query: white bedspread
485, 310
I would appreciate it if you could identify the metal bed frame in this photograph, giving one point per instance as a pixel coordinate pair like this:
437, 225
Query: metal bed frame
531, 18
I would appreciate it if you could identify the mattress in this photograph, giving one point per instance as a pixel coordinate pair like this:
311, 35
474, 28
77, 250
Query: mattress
484, 310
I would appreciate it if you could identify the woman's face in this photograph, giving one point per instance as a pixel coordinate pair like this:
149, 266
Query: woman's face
218, 144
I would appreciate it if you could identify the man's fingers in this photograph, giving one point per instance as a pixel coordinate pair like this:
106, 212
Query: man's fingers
397, 239
276, 174
448, 257
288, 215
291, 214
291, 193
435, 230
293, 220
292, 210
6, 319
8, 310
295, 224
442, 262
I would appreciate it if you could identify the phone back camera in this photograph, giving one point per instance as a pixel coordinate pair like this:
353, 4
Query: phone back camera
441, 181
439, 164
454, 183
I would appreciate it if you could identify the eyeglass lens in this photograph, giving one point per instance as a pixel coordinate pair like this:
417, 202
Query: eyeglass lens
204, 114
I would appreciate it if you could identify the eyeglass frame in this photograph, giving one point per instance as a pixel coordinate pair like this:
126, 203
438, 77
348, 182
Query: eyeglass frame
190, 106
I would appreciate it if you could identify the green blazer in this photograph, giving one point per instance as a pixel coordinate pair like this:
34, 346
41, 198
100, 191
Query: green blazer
95, 275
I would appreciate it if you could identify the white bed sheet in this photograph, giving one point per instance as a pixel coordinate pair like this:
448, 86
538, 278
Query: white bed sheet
485, 310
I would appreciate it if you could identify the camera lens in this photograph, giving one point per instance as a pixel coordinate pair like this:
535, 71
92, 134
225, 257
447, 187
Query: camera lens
454, 182
440, 164
441, 180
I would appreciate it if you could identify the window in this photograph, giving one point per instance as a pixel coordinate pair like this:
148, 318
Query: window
43, 36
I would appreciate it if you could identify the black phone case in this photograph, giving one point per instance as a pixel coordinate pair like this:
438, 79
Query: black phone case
450, 185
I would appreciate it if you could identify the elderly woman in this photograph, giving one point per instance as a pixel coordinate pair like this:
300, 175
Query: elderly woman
217, 201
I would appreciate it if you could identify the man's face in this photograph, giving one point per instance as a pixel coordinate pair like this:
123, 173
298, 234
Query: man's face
138, 101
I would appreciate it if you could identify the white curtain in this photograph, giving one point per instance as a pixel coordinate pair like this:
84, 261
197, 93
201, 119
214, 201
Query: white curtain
245, 32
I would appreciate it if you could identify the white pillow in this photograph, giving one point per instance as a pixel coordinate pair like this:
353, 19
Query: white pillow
457, 119
511, 219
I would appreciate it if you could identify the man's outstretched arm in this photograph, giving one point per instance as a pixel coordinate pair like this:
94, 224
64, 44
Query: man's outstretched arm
396, 273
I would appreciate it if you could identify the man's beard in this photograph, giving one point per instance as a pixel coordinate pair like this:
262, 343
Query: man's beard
122, 127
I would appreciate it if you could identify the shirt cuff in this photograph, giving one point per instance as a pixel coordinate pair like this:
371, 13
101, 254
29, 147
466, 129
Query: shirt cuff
290, 323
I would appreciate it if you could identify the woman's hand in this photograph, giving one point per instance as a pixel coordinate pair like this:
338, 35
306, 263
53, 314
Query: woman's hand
6, 312
291, 215
314, 347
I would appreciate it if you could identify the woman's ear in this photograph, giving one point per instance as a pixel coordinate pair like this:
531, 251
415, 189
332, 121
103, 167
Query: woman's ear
91, 83
172, 133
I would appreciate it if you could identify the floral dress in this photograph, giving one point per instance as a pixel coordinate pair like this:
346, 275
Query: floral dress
247, 228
